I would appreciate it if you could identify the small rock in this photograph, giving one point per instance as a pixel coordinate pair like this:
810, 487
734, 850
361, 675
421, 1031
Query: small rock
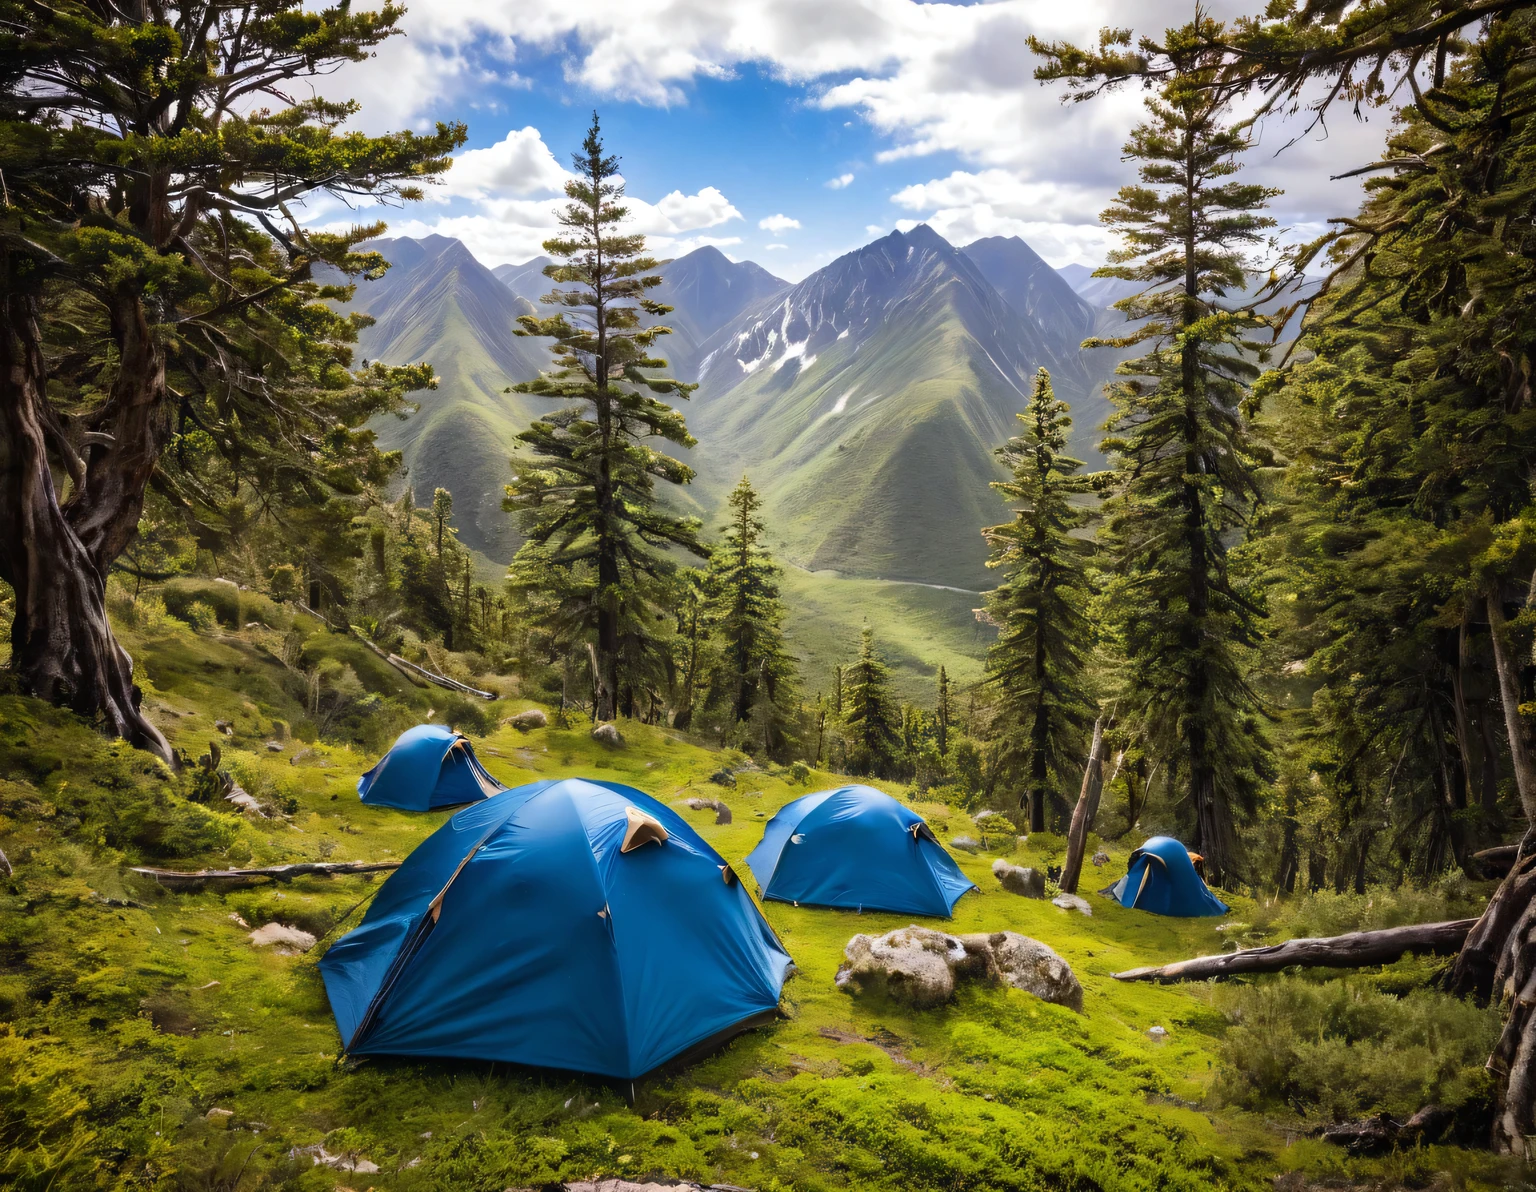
967, 844
238, 921
525, 722
722, 814
1019, 879
1100, 858
246, 801
288, 939
216, 1113
609, 735
697, 804
224, 727
723, 778
1157, 1032
274, 746
1072, 902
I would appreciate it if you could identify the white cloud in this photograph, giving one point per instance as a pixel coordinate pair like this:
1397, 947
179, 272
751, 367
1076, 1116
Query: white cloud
778, 223
874, 229
678, 212
519, 164
930, 78
839, 182
772, 247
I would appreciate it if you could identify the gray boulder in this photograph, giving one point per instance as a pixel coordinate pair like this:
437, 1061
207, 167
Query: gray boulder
967, 844
913, 965
1031, 966
1019, 879
920, 967
609, 735
533, 718
722, 814
723, 778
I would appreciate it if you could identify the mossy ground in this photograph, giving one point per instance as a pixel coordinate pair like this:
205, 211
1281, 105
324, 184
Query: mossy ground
128, 1012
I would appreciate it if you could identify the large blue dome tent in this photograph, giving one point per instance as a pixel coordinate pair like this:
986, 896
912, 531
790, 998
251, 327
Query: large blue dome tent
1161, 878
856, 847
430, 767
565, 924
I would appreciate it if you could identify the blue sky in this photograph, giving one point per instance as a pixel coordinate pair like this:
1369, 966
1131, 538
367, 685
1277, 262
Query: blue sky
786, 131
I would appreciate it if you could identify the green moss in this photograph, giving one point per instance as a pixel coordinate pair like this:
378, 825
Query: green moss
129, 1012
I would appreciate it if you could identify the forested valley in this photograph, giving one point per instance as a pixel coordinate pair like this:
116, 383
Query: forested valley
1239, 554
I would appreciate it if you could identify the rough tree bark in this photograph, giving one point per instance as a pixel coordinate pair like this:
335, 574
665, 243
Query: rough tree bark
56, 555
1083, 814
1354, 950
1478, 962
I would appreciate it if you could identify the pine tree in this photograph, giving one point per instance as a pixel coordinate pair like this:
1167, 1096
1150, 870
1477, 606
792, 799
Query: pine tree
942, 712
1038, 661
747, 614
1185, 463
158, 296
586, 489
872, 723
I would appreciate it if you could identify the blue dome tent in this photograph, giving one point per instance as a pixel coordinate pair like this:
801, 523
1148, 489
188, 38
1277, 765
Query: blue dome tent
859, 848
428, 768
1161, 878
565, 924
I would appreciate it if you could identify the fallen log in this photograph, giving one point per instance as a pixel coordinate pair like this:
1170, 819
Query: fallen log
1355, 950
181, 879
1496, 861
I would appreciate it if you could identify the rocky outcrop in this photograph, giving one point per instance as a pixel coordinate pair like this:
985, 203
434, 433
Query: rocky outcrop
920, 967
533, 718
608, 734
1019, 879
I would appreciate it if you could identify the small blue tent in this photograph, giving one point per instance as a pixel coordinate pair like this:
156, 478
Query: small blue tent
428, 768
564, 924
859, 848
1161, 878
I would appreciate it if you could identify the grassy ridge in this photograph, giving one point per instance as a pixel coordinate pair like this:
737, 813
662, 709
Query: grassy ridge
129, 1013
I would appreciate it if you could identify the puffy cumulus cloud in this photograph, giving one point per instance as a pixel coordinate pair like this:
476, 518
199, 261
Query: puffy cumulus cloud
1059, 220
951, 78
518, 164
778, 224
678, 212
838, 183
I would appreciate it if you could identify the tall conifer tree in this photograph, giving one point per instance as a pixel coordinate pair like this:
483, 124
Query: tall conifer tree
586, 490
755, 673
1185, 463
872, 723
1037, 662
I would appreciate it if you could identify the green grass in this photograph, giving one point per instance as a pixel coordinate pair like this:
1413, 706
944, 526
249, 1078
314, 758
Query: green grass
917, 629
128, 1012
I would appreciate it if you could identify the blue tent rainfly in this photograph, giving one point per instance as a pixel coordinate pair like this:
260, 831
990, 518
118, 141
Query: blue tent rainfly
1161, 878
859, 848
564, 924
430, 767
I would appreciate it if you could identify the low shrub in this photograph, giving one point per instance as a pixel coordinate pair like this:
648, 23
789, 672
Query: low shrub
1343, 1049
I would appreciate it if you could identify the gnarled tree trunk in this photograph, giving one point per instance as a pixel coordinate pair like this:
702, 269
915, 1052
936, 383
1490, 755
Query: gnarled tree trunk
56, 556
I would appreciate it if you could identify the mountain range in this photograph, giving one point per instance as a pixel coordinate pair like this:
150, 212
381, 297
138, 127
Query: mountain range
866, 401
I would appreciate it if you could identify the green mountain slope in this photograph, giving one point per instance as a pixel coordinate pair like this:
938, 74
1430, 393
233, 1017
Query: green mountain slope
866, 402
439, 304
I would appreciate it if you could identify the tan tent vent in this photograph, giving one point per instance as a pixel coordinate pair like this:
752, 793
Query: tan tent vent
729, 874
641, 829
921, 830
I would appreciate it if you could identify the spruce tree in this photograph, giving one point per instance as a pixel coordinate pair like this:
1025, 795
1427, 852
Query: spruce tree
942, 712
1038, 662
585, 491
1184, 483
754, 667
872, 722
